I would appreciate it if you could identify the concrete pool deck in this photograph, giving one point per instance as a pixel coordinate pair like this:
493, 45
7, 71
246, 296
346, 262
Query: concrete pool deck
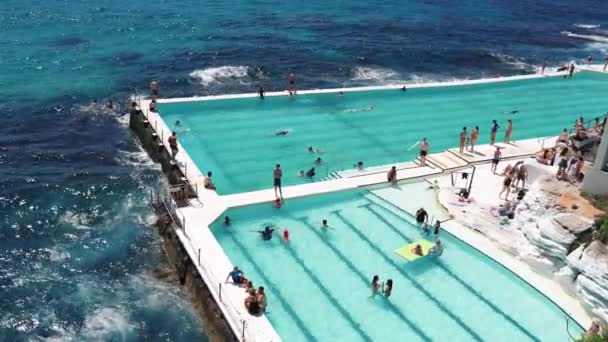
213, 264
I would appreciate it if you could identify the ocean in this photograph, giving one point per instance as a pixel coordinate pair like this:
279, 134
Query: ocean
79, 258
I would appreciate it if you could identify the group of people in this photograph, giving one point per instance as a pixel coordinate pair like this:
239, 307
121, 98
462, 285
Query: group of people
513, 177
422, 218
468, 141
385, 288
255, 302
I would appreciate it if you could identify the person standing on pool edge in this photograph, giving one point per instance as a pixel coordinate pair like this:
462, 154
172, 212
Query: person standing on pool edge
291, 83
493, 132
508, 131
463, 138
277, 173
424, 150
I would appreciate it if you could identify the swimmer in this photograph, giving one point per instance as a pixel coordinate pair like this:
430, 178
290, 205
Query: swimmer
324, 224
314, 150
403, 88
261, 93
463, 138
387, 288
266, 233
366, 109
340, 93
227, 221
437, 249
177, 123
301, 174
310, 173
493, 131
286, 234
511, 112
359, 165
418, 250
437, 228
282, 132
277, 203
318, 161
375, 284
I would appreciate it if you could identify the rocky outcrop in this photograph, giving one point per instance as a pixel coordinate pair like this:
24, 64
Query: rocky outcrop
589, 266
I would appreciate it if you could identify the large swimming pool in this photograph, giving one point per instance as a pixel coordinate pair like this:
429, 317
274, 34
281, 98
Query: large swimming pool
318, 284
234, 138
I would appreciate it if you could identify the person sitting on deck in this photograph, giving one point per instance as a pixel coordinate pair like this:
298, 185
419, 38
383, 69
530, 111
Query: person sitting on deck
207, 182
152, 106
237, 276
418, 250
437, 249
252, 303
546, 156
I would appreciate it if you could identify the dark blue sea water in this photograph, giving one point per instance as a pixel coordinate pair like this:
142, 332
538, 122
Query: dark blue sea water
77, 252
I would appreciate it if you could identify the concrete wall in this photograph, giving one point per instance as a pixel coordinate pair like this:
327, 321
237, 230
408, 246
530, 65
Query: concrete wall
596, 177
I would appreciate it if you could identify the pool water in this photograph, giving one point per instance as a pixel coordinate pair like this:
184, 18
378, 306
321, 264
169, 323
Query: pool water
318, 284
234, 138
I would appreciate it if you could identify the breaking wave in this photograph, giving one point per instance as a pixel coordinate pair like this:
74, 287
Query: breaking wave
361, 73
228, 73
586, 26
590, 37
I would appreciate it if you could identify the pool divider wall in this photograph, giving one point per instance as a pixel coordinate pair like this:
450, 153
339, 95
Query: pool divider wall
215, 323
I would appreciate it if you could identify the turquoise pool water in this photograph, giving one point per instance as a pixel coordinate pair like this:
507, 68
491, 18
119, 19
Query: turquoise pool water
234, 138
318, 284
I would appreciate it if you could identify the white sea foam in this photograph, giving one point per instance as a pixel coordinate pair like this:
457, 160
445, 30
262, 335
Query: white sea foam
364, 73
107, 323
587, 26
590, 37
139, 159
514, 61
219, 74
77, 220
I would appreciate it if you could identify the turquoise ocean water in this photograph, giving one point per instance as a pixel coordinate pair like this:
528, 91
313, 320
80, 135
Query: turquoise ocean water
77, 253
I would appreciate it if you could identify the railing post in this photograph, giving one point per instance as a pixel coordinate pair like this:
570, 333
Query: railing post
243, 330
199, 260
220, 290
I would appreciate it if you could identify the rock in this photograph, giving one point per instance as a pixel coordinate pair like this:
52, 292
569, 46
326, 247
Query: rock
573, 223
592, 282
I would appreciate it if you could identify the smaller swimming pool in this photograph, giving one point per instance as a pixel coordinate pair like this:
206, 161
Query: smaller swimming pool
318, 283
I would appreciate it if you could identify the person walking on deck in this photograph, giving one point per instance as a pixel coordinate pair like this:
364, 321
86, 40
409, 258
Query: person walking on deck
495, 160
277, 173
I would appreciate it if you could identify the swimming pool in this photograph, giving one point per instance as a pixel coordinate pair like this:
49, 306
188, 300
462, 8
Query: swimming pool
318, 284
234, 138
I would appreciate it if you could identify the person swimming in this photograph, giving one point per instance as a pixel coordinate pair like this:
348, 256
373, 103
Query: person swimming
266, 233
387, 288
437, 249
282, 132
310, 173
375, 284
318, 161
302, 174
227, 220
314, 150
359, 165
324, 224
357, 110
511, 112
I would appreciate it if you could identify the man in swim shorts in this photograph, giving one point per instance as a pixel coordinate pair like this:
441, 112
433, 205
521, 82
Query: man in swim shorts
495, 160
173, 144
392, 175
291, 83
424, 150
277, 173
